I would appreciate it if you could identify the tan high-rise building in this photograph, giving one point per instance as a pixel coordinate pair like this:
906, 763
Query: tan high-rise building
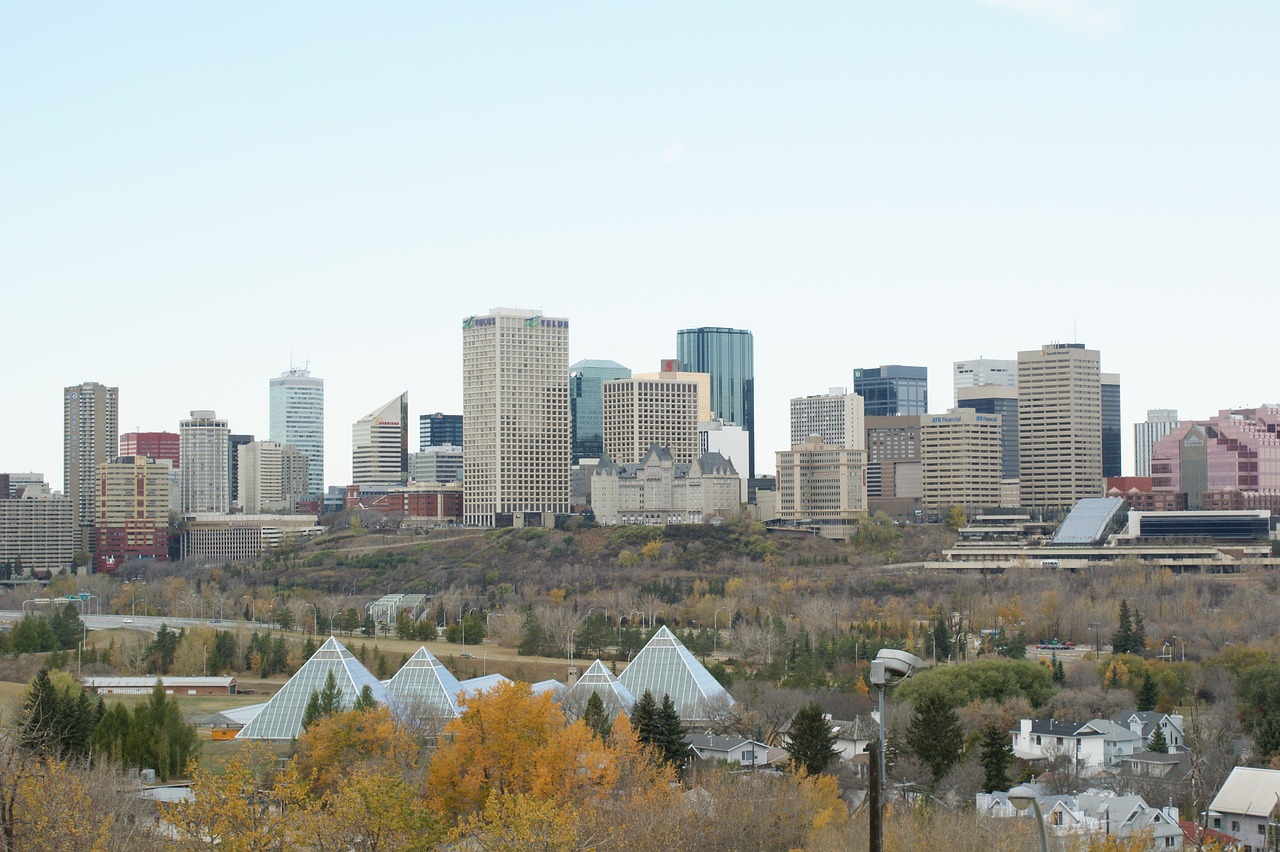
133, 511
960, 460
640, 413
1059, 425
702, 380
273, 477
380, 445
515, 418
90, 433
823, 485
836, 417
37, 532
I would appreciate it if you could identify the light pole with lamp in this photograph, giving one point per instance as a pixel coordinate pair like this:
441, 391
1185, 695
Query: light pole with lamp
315, 618
889, 668
1097, 640
1183, 647
133, 609
1023, 797
715, 628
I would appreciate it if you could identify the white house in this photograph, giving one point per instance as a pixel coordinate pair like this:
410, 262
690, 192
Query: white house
1144, 724
748, 753
1248, 807
1097, 743
1090, 814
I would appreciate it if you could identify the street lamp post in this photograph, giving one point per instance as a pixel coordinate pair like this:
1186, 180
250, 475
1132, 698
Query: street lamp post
888, 665
1182, 646
133, 609
1097, 640
1022, 797
315, 618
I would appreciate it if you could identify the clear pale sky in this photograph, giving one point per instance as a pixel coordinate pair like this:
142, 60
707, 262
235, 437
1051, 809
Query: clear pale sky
192, 195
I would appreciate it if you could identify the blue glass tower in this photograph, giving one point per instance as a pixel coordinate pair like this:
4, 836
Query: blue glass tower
438, 430
728, 355
893, 389
586, 405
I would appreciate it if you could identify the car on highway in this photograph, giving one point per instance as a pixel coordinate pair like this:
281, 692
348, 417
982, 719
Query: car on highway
127, 621
468, 656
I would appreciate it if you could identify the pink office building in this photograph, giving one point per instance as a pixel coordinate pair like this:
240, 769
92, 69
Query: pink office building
1237, 450
161, 446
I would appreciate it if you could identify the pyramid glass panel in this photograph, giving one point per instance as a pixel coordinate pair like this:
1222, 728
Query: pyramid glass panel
599, 680
665, 666
281, 717
423, 686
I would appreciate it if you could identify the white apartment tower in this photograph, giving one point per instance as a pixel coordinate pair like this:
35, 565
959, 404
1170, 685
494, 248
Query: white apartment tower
90, 434
836, 417
273, 476
297, 418
639, 413
204, 444
380, 445
1160, 422
515, 417
1059, 425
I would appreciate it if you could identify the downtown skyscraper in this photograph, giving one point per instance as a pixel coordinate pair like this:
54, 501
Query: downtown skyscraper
728, 355
297, 418
90, 435
1059, 425
515, 418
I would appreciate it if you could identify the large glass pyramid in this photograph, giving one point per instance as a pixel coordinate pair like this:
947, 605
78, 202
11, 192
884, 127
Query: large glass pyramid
599, 680
424, 687
664, 666
281, 717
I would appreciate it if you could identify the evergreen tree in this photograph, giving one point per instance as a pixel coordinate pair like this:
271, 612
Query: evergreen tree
68, 629
1148, 694
365, 700
1122, 639
996, 753
367, 626
669, 733
1158, 743
810, 740
941, 639
58, 716
934, 734
1138, 642
596, 718
1059, 673
644, 714
163, 648
531, 637
325, 701
158, 738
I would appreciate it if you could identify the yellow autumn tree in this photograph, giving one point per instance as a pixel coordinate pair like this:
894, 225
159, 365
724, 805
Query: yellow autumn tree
368, 811
371, 739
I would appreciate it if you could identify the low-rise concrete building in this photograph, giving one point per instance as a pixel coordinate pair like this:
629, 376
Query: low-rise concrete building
143, 685
242, 538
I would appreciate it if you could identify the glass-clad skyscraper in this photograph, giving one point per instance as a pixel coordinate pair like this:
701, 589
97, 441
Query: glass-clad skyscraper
728, 355
439, 430
297, 417
586, 404
892, 390
1112, 428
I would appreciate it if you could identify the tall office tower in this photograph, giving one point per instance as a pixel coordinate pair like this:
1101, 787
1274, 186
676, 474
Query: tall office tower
586, 404
1001, 400
161, 446
272, 476
18, 483
836, 417
893, 465
205, 443
960, 460
823, 485
728, 354
1160, 422
133, 511
515, 418
1059, 425
297, 418
1112, 430
90, 432
985, 371
234, 443
380, 445
439, 430
893, 390
640, 413
437, 464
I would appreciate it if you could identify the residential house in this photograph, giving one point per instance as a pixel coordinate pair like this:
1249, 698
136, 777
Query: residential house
1094, 744
1248, 808
1117, 817
748, 753
1144, 724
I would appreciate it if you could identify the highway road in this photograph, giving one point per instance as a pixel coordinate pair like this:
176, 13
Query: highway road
146, 623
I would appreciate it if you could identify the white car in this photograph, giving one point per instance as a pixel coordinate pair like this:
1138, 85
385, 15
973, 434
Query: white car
127, 621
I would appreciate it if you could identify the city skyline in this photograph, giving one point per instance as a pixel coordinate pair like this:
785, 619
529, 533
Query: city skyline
1005, 181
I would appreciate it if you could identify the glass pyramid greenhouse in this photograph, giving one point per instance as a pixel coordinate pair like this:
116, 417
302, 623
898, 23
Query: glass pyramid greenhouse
599, 680
424, 687
665, 666
281, 717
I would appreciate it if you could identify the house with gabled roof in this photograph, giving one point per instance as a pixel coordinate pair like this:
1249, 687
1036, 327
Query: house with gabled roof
664, 666
1096, 743
1247, 807
1144, 724
1119, 817
281, 717
728, 749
